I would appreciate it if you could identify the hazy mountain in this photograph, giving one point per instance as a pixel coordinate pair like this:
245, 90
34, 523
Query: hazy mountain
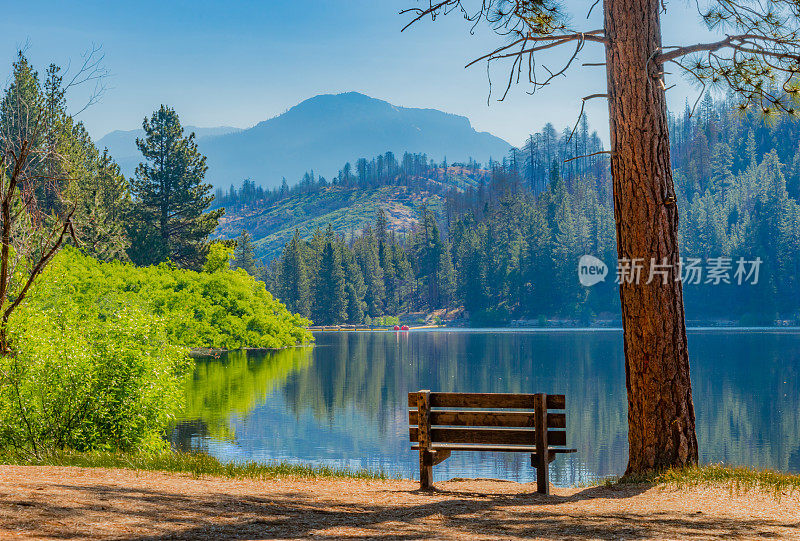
122, 143
324, 132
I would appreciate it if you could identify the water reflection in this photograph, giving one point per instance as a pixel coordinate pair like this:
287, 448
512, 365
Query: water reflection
344, 402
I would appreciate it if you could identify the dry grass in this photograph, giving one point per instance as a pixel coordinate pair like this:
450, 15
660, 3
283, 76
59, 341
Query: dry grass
737, 479
196, 464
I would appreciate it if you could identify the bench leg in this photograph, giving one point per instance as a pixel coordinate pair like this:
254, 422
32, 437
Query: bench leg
542, 456
425, 469
543, 473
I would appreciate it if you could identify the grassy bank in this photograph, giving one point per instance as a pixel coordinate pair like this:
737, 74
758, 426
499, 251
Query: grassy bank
197, 464
736, 478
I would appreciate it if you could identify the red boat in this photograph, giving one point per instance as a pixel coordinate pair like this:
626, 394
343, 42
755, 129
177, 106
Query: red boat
404, 328
397, 327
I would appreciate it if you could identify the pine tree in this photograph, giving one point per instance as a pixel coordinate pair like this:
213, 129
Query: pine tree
471, 265
22, 106
366, 251
385, 248
750, 149
171, 220
292, 278
331, 297
77, 175
721, 164
102, 197
354, 285
434, 268
244, 254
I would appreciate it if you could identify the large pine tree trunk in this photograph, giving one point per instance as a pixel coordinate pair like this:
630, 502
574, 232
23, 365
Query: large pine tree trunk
661, 425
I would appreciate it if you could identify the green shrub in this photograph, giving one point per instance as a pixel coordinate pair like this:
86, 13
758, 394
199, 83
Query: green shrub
84, 379
222, 309
101, 350
218, 258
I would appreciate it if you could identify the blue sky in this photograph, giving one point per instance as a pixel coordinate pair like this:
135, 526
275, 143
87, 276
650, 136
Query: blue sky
237, 63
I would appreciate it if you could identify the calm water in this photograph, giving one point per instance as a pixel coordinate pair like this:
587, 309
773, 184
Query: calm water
343, 402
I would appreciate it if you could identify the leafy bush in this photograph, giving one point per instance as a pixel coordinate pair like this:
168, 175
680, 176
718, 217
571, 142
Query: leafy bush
81, 378
386, 321
100, 350
218, 258
222, 309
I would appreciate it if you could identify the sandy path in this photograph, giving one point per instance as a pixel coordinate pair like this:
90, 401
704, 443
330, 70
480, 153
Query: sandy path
78, 503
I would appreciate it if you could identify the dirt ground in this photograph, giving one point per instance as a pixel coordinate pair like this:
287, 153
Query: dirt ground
88, 503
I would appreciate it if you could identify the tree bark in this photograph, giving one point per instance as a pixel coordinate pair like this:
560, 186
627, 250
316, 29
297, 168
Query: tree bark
661, 422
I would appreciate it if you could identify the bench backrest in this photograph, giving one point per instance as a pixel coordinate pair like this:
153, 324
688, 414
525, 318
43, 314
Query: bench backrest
491, 419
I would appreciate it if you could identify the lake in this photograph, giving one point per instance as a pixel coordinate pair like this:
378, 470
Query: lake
343, 401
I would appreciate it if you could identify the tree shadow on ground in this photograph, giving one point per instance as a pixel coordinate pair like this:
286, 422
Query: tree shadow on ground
298, 514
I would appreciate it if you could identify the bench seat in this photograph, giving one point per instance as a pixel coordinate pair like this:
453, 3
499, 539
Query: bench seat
439, 423
491, 448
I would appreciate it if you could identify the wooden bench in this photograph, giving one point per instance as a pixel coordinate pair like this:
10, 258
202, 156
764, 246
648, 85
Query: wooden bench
443, 422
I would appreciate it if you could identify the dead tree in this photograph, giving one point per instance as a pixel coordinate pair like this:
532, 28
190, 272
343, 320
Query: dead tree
35, 215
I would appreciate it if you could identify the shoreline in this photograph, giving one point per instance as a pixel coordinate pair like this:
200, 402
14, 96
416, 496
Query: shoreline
444, 328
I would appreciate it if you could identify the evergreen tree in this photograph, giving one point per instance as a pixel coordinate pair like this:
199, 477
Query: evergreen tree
331, 299
721, 167
366, 252
79, 179
354, 286
171, 220
102, 199
22, 106
291, 279
244, 254
434, 271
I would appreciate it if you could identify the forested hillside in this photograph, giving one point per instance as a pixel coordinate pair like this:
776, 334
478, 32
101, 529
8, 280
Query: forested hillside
506, 241
348, 201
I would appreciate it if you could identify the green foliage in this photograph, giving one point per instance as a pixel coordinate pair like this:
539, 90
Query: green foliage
76, 171
170, 220
433, 265
330, 302
223, 309
386, 321
507, 247
196, 464
218, 258
291, 278
84, 376
243, 255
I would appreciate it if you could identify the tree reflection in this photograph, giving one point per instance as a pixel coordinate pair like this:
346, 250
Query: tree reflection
352, 397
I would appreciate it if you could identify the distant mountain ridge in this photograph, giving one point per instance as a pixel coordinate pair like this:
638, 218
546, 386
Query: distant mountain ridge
324, 132
121, 144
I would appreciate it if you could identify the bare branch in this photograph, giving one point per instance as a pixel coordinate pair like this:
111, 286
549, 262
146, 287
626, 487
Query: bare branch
589, 155
531, 26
